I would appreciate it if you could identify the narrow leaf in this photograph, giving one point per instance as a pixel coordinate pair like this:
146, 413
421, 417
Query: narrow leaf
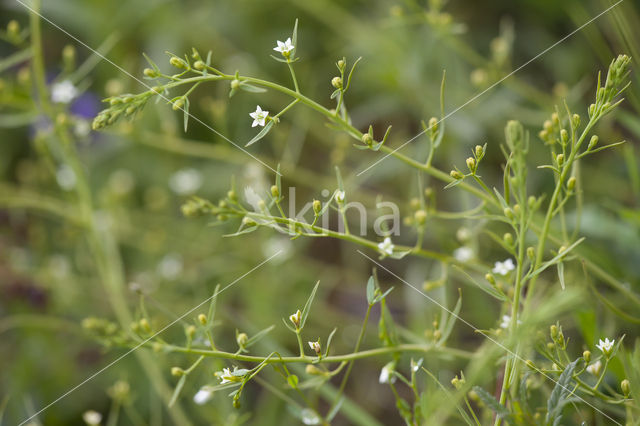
262, 133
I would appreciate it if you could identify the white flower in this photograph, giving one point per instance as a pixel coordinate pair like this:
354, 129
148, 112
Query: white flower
228, 376
252, 197
340, 196
506, 321
92, 417
63, 92
316, 347
605, 345
386, 374
463, 254
259, 116
170, 267
386, 247
309, 417
66, 178
285, 47
503, 268
185, 181
595, 368
202, 396
295, 318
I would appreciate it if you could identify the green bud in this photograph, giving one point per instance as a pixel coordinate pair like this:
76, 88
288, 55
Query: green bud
190, 331
514, 133
13, 29
150, 73
433, 126
317, 206
178, 104
625, 387
202, 319
234, 84
275, 192
178, 63
508, 239
490, 278
516, 209
555, 119
232, 195
531, 253
456, 174
341, 64
479, 151
199, 65
592, 142
576, 120
242, 339
587, 356
530, 364
471, 164
560, 159
592, 109
564, 136
531, 202
177, 371
336, 82
571, 183
420, 216
69, 56
144, 325
367, 139
508, 213
553, 331
313, 370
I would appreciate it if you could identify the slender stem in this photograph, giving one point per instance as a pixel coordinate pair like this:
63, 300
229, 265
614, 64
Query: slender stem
300, 344
293, 76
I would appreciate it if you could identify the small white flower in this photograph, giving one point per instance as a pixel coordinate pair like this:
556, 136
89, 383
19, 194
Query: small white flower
170, 267
606, 345
506, 321
386, 247
295, 318
340, 196
316, 347
386, 374
252, 197
284, 48
92, 418
463, 254
595, 368
185, 181
66, 178
202, 396
309, 417
63, 92
503, 268
259, 116
228, 376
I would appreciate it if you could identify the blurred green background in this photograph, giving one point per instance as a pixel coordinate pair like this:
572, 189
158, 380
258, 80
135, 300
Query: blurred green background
49, 280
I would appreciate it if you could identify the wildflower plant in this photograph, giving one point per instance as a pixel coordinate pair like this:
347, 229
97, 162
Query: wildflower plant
518, 252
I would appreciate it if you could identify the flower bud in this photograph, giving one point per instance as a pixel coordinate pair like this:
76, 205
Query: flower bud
471, 164
177, 371
242, 339
178, 104
336, 82
531, 201
199, 65
433, 126
560, 159
508, 239
150, 73
317, 206
313, 370
234, 84
571, 183
231, 194
190, 331
367, 139
295, 318
564, 136
178, 63
531, 253
479, 151
555, 119
144, 325
516, 209
576, 120
13, 29
202, 319
457, 383
592, 142
625, 387
553, 331
316, 347
456, 174
586, 355
490, 278
420, 216
508, 213
275, 192
341, 64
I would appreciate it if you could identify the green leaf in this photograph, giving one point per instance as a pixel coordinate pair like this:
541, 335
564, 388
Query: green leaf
212, 305
329, 339
278, 59
151, 63
561, 391
561, 274
486, 288
335, 93
177, 390
339, 179
556, 259
259, 335
186, 113
353, 67
293, 381
307, 306
371, 288
294, 39
493, 404
447, 326
262, 133
251, 88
